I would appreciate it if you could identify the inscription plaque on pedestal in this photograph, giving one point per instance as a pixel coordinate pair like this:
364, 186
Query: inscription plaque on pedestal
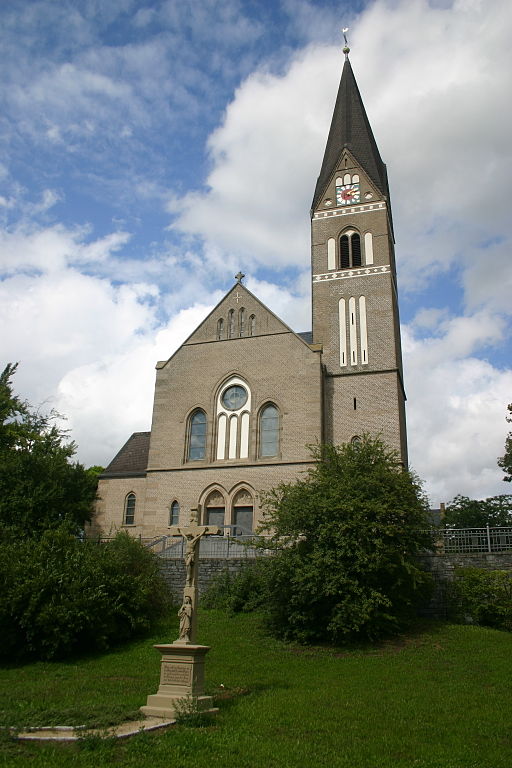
176, 674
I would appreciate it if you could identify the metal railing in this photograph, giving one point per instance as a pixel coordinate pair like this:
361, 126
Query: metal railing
216, 547
467, 540
236, 543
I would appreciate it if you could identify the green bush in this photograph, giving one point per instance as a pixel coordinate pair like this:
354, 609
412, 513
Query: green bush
345, 540
61, 595
240, 592
483, 596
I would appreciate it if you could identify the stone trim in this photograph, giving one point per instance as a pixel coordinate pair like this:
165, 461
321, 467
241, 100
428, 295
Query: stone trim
346, 275
352, 210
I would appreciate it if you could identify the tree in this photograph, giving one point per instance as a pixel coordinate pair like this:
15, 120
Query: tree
40, 485
463, 512
345, 540
505, 461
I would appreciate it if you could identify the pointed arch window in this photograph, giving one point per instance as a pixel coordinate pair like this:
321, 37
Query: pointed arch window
174, 513
241, 321
252, 325
197, 436
350, 250
129, 509
231, 323
269, 431
220, 328
215, 509
243, 513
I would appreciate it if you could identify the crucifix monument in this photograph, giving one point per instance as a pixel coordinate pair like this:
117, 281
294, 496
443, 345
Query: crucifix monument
182, 664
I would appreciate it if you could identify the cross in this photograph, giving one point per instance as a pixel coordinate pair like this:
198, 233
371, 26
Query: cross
346, 49
237, 297
188, 613
239, 277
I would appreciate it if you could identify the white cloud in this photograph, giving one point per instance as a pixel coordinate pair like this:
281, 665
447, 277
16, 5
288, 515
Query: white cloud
456, 410
438, 102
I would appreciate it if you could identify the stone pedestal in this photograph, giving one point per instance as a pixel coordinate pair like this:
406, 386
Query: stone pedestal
181, 677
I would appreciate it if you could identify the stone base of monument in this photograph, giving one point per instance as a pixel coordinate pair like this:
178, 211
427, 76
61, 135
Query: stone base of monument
181, 678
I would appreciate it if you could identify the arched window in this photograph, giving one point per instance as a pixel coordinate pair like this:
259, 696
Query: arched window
215, 509
197, 436
269, 431
356, 440
350, 250
243, 508
129, 509
241, 321
174, 513
220, 328
252, 325
231, 323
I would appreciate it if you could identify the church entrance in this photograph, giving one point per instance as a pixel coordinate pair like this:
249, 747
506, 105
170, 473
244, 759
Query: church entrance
235, 515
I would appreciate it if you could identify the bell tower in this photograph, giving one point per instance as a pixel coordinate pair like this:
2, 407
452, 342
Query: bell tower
354, 292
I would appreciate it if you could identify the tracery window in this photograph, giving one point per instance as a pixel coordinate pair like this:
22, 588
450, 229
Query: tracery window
243, 513
129, 509
215, 509
269, 431
197, 436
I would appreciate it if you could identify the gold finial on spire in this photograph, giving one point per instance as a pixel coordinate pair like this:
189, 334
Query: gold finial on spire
346, 49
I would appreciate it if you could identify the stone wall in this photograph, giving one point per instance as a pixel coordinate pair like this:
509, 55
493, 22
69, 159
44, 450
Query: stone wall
174, 572
442, 567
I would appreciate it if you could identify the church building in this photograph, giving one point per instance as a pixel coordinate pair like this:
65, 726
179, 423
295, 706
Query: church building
238, 403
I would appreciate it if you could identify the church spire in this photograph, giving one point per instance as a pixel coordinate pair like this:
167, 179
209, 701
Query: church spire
350, 128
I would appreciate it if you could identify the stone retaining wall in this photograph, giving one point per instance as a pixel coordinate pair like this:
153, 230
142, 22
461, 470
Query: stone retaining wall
174, 572
442, 567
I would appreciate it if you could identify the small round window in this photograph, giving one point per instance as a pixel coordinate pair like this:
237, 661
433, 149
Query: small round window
234, 398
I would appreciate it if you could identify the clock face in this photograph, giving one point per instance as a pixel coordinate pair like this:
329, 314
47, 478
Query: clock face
348, 194
234, 397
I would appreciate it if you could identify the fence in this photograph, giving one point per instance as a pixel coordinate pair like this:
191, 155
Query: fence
468, 540
215, 547
238, 545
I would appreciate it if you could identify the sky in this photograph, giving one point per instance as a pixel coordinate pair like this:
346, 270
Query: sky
152, 148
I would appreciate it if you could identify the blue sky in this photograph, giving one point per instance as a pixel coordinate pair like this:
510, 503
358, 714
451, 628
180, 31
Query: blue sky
149, 150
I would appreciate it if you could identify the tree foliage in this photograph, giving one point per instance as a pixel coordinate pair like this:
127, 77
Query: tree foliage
40, 485
463, 512
345, 539
505, 461
61, 595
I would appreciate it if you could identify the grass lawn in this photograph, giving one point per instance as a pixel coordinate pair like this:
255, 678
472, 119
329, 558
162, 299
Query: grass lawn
440, 697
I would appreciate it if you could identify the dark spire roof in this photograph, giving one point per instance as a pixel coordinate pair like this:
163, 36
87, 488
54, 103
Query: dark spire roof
350, 128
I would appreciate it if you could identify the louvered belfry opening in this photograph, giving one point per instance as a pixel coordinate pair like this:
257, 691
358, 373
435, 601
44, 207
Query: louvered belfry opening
350, 251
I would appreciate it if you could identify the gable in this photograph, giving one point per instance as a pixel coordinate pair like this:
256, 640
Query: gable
238, 315
348, 178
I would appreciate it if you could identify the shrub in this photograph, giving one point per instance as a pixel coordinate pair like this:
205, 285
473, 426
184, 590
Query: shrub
62, 595
345, 541
241, 592
484, 596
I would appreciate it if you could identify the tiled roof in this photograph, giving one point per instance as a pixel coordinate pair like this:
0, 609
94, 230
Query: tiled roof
306, 336
132, 458
350, 128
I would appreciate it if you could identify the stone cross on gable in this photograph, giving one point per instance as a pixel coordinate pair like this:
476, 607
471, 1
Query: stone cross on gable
192, 533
